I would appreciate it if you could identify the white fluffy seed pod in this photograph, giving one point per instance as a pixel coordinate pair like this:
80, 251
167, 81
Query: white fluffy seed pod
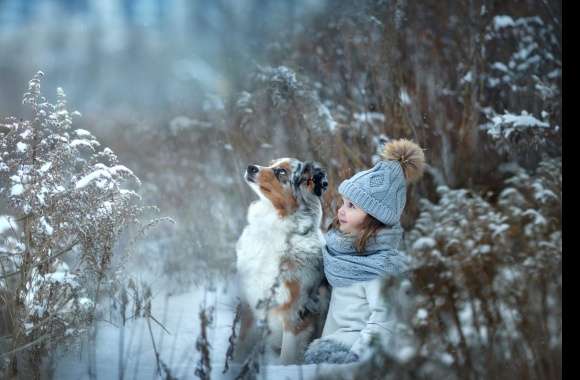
409, 155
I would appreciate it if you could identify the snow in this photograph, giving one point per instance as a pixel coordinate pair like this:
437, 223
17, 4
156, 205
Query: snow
83, 142
117, 169
405, 353
101, 173
500, 66
468, 77
6, 223
502, 21
537, 218
556, 73
26, 134
283, 74
244, 100
106, 208
62, 275
422, 313
369, 117
446, 358
483, 249
523, 120
404, 96
424, 243
82, 133
179, 314
21, 147
526, 51
504, 125
17, 189
498, 229
104, 174
542, 194
44, 168
327, 117
85, 302
131, 193
45, 226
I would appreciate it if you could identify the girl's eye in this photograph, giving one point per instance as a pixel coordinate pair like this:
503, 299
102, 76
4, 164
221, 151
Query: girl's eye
350, 205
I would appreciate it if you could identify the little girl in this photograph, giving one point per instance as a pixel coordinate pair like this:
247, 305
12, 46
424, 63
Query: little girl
361, 249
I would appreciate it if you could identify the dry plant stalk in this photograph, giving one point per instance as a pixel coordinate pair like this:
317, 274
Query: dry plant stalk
202, 345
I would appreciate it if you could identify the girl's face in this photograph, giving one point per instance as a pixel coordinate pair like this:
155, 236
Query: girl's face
350, 217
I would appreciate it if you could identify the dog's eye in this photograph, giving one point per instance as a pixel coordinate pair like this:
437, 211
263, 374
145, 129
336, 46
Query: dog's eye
280, 172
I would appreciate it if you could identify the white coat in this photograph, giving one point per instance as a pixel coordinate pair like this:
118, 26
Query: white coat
356, 312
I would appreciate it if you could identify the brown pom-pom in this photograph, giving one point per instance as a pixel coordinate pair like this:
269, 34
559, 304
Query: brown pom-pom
409, 154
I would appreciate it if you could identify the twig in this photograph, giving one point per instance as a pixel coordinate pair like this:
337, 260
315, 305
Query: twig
159, 323
203, 370
45, 260
154, 347
38, 340
232, 338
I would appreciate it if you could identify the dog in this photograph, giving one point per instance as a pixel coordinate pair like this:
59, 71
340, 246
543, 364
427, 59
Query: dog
279, 259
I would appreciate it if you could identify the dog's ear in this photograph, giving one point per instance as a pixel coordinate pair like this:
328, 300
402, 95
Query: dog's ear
313, 175
320, 179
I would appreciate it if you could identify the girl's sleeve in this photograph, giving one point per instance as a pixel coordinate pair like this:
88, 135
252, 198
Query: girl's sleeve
381, 321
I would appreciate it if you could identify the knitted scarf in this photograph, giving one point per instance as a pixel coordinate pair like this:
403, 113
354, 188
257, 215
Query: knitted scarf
343, 266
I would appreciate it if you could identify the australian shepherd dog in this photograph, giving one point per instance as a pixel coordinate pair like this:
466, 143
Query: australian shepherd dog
279, 260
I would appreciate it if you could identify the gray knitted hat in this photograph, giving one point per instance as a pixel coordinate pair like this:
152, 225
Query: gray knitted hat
382, 190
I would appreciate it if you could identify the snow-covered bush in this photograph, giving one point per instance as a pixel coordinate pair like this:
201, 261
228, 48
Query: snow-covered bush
522, 108
517, 133
280, 109
526, 52
69, 207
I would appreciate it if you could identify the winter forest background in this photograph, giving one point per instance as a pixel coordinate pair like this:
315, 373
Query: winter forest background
118, 222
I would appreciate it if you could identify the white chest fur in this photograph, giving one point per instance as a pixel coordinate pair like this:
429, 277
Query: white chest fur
259, 249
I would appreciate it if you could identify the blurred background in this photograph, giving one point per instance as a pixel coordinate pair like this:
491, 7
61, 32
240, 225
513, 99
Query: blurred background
152, 80
187, 93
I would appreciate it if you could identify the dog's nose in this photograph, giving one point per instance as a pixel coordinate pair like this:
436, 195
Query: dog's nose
253, 169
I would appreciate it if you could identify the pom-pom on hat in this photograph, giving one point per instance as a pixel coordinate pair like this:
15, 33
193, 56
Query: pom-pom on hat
382, 190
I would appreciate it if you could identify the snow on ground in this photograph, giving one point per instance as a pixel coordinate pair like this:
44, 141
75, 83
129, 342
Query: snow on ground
180, 315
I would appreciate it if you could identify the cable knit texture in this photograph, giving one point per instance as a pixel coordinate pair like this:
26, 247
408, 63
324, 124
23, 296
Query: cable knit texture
380, 191
343, 266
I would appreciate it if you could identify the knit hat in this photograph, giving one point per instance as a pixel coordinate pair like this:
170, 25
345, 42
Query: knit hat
382, 190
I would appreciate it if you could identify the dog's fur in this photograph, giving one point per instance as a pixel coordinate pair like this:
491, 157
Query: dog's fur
279, 258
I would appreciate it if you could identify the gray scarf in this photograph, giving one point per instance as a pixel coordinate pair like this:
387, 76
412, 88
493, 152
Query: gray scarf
343, 266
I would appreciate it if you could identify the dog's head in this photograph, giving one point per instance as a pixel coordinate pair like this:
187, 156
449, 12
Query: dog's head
288, 183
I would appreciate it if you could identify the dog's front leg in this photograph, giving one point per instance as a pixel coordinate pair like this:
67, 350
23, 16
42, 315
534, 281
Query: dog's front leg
295, 338
290, 342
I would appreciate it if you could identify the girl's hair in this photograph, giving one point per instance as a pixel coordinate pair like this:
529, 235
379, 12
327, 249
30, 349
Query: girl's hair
369, 228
